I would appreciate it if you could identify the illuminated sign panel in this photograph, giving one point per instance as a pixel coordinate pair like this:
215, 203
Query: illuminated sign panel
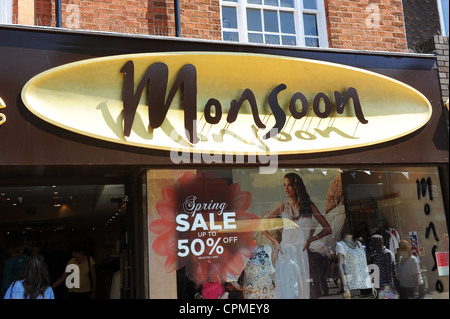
225, 102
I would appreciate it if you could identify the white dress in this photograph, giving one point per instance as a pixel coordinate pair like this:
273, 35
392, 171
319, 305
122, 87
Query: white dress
292, 266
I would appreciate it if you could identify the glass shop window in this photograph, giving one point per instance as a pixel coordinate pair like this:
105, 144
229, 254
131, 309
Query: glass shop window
350, 233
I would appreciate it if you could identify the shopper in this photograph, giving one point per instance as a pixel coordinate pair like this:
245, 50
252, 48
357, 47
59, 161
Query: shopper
408, 271
87, 277
34, 282
384, 259
15, 266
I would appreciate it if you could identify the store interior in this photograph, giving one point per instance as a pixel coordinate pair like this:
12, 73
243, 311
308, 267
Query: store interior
50, 219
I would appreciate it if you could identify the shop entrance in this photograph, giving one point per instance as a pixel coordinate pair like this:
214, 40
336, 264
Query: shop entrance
50, 219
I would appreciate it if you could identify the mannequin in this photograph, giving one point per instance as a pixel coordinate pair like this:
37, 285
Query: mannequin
352, 265
258, 283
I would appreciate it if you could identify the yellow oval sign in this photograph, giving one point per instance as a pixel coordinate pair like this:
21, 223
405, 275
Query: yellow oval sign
226, 103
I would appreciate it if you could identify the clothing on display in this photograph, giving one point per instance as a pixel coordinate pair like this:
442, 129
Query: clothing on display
355, 264
115, 286
258, 274
393, 240
292, 266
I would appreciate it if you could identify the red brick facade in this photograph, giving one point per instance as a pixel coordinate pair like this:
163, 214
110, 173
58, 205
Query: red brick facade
199, 18
373, 25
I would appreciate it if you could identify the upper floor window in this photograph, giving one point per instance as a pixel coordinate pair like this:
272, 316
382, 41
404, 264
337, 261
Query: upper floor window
443, 13
279, 22
6, 11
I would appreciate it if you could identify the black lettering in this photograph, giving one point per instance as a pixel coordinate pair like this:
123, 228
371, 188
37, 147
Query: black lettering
316, 105
156, 77
218, 111
293, 110
277, 111
341, 101
156, 80
236, 106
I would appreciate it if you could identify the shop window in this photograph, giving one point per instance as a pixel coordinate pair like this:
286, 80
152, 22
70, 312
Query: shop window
275, 22
211, 231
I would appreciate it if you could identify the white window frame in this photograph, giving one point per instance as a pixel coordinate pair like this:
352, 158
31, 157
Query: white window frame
298, 11
6, 11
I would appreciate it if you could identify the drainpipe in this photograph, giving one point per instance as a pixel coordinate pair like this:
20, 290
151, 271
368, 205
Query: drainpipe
177, 18
58, 13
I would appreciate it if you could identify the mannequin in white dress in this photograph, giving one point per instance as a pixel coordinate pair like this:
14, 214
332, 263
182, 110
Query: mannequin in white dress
292, 265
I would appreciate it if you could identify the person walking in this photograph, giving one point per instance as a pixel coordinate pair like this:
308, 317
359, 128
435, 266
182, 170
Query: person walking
34, 282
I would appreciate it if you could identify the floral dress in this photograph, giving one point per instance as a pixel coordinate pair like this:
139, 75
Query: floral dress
258, 273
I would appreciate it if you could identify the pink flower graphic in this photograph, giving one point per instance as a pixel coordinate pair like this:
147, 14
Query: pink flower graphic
204, 245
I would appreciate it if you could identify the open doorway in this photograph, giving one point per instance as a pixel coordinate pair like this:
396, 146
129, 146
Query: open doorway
50, 219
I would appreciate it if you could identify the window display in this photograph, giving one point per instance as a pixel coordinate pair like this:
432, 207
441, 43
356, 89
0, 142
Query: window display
303, 233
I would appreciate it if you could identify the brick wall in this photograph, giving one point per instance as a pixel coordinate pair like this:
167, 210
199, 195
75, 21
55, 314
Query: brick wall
201, 19
45, 13
156, 17
441, 45
23, 12
438, 45
373, 25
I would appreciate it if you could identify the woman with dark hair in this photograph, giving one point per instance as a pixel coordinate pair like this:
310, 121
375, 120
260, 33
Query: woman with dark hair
34, 282
292, 264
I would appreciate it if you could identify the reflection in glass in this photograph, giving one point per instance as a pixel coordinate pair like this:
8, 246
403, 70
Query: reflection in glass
311, 42
270, 21
378, 200
254, 20
310, 4
287, 3
310, 25
272, 39
271, 2
255, 38
230, 36
287, 22
229, 19
288, 40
